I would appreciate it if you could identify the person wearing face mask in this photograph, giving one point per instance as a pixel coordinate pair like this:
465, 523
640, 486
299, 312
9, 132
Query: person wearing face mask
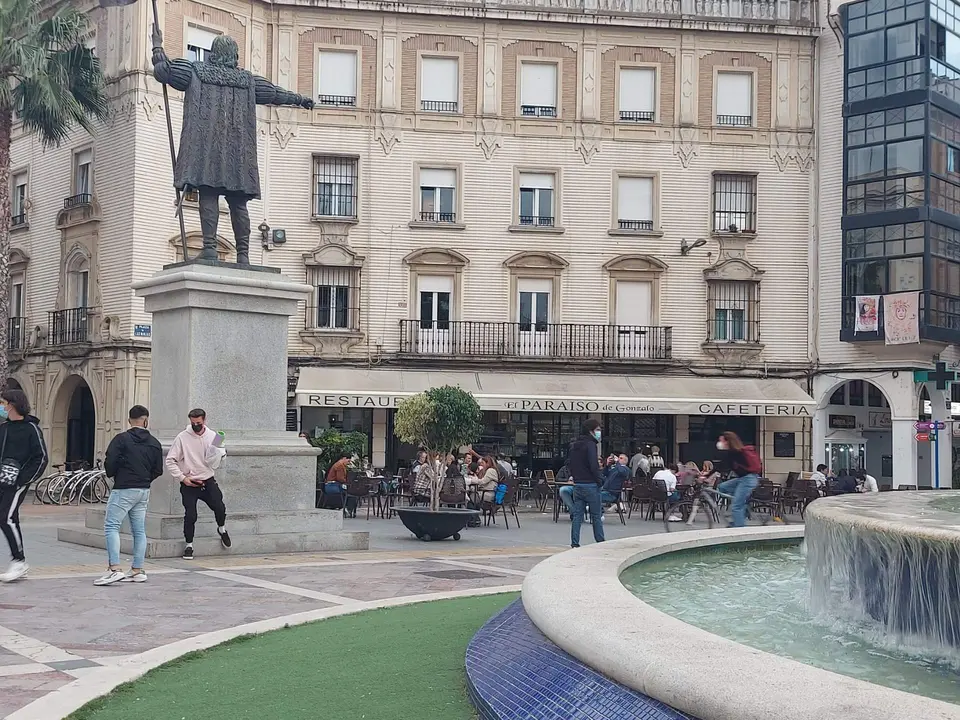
584, 465
23, 458
745, 464
194, 456
134, 460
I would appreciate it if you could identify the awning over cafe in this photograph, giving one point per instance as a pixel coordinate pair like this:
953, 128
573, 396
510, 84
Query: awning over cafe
542, 392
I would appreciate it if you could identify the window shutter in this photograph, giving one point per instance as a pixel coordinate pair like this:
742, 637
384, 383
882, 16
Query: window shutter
440, 79
735, 94
635, 199
437, 178
637, 88
534, 285
84, 157
536, 180
198, 37
338, 73
538, 84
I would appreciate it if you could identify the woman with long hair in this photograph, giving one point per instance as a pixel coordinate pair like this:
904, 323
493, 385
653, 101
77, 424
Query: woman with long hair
745, 465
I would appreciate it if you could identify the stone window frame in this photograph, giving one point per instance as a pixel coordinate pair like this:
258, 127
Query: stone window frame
658, 76
518, 100
334, 255
14, 172
441, 54
615, 230
18, 263
74, 167
733, 270
436, 262
357, 50
635, 267
754, 95
78, 255
557, 227
357, 195
416, 222
535, 265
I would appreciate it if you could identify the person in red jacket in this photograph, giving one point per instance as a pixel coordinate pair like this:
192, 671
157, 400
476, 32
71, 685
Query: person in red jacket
745, 464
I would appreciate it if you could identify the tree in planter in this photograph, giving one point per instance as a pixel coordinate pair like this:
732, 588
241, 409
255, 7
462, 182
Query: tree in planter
333, 444
439, 420
52, 82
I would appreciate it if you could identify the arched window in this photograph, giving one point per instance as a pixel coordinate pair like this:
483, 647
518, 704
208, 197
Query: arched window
78, 281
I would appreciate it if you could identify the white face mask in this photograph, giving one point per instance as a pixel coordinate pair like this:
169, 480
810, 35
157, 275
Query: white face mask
721, 446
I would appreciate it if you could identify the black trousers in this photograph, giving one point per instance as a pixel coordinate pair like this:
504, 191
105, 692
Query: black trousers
210, 494
10, 501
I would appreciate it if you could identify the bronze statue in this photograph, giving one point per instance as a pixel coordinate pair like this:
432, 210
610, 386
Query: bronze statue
218, 142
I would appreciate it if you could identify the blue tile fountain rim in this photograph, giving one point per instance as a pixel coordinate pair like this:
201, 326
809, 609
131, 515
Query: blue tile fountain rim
515, 673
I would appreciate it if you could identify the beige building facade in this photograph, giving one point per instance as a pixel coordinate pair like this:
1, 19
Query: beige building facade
571, 209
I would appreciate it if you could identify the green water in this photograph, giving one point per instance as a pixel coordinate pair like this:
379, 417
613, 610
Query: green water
950, 504
758, 596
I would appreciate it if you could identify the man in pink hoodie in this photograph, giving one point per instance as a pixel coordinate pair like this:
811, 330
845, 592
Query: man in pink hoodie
195, 454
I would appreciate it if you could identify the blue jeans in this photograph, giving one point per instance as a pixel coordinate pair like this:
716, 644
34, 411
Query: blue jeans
566, 497
132, 503
584, 495
740, 488
609, 497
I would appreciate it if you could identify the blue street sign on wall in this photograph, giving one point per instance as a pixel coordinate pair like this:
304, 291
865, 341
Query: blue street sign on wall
142, 330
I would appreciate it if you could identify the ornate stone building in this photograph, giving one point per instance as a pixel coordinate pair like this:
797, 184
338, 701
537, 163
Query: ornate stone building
571, 208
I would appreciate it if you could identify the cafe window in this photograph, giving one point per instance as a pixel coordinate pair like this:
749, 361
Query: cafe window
856, 392
875, 397
839, 396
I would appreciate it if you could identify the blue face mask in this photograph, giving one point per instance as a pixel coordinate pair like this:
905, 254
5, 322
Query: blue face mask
3, 412
596, 434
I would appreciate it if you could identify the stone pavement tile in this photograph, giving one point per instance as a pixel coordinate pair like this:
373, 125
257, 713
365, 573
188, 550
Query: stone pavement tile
128, 618
385, 580
508, 563
11, 658
19, 690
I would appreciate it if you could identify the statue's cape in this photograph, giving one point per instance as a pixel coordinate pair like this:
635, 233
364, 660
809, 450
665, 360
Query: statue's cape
223, 76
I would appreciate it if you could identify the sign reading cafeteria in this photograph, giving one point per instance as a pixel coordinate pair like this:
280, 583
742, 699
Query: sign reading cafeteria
575, 405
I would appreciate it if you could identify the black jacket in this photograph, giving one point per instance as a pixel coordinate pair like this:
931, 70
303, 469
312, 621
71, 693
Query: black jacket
22, 441
583, 461
134, 459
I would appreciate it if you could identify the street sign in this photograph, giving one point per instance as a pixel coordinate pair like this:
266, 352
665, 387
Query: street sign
922, 437
938, 425
922, 426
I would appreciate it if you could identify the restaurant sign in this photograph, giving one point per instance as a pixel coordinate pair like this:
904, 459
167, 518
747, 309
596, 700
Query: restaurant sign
570, 405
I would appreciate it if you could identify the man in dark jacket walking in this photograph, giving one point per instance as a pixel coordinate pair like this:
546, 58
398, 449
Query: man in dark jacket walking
134, 460
584, 465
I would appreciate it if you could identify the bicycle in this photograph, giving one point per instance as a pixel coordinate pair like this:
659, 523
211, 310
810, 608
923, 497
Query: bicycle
702, 506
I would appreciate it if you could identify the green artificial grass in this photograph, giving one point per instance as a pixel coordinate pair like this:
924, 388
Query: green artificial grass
389, 664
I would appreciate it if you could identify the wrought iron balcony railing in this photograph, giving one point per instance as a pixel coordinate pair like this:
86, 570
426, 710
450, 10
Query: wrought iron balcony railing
68, 326
636, 115
541, 220
547, 111
735, 120
76, 200
16, 220
337, 100
636, 224
438, 217
443, 106
546, 340
16, 333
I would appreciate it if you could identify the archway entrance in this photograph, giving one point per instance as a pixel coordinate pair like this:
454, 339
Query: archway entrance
858, 431
81, 427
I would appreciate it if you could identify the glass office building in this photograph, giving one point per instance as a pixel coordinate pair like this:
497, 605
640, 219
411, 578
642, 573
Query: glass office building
901, 216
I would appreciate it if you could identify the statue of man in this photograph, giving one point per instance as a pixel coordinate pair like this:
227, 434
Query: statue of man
218, 143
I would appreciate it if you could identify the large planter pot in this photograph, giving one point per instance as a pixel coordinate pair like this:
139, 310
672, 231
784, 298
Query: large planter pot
440, 524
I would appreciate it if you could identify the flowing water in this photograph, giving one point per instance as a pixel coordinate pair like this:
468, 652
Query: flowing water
758, 595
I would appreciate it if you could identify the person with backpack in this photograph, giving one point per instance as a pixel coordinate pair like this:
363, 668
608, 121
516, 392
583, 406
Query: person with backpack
745, 465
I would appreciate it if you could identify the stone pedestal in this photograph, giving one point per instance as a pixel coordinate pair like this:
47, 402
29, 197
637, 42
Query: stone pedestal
220, 343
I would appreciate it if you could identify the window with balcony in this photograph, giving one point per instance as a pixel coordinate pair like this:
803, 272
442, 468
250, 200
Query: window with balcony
438, 195
733, 312
538, 89
537, 202
635, 204
199, 42
734, 99
337, 298
734, 203
434, 313
337, 78
82, 181
637, 94
440, 84
18, 199
335, 187
534, 313
16, 329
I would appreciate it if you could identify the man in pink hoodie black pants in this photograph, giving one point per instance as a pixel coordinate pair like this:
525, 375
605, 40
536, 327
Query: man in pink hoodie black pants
195, 454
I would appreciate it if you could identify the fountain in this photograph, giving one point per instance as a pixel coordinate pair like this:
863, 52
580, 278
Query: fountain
724, 625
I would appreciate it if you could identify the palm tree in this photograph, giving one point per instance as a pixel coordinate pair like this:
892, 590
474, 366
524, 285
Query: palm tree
50, 82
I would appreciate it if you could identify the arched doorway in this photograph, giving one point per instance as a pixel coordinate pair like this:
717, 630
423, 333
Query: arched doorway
857, 430
81, 427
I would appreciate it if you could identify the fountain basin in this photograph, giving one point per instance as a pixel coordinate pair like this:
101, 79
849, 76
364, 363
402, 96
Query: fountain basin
577, 600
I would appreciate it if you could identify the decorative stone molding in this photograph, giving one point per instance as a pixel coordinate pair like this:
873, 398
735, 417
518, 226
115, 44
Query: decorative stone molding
733, 269
489, 137
635, 263
535, 259
388, 131
79, 215
334, 232
587, 140
687, 145
109, 328
150, 104
18, 260
434, 257
733, 354
332, 255
332, 343
792, 149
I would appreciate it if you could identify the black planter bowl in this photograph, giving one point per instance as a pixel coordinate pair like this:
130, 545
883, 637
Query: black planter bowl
429, 524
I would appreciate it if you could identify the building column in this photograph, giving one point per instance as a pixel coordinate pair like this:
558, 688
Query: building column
941, 452
819, 438
378, 443
904, 452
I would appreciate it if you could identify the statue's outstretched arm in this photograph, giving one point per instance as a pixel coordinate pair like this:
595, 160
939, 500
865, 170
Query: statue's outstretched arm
175, 73
270, 94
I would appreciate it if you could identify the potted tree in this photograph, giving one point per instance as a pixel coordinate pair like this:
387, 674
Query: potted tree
439, 420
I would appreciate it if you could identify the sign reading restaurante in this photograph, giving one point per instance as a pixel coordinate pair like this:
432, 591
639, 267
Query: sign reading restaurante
577, 405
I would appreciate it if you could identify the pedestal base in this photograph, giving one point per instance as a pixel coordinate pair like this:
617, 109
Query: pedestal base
252, 533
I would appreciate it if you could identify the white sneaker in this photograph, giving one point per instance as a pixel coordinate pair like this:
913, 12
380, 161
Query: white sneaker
17, 570
133, 577
675, 518
110, 578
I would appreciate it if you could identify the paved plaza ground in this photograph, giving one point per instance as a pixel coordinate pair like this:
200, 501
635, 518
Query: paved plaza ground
56, 626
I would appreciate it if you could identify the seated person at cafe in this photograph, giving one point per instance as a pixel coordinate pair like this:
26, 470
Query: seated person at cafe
868, 483
846, 482
486, 479
423, 482
820, 476
616, 473
453, 490
669, 478
333, 488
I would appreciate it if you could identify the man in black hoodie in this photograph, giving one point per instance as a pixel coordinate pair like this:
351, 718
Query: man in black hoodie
584, 466
134, 460
23, 458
